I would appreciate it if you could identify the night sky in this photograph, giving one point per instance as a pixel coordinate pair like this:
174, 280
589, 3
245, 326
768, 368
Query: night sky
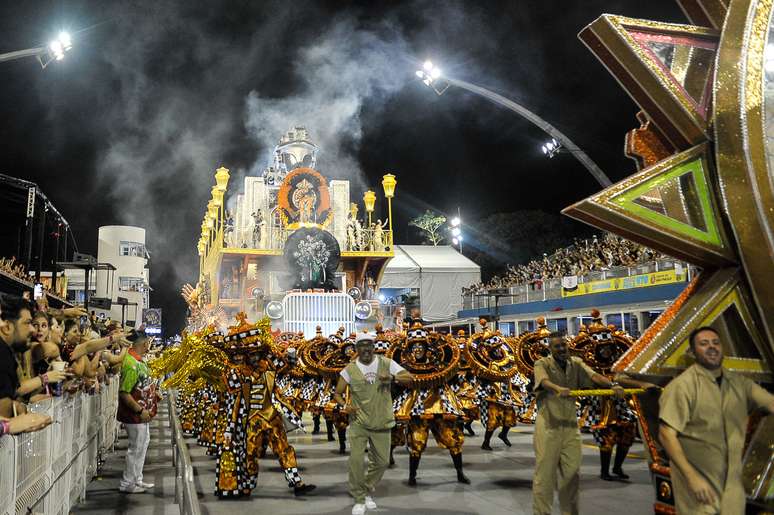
154, 96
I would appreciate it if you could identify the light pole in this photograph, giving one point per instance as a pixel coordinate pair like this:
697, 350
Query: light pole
455, 227
431, 76
55, 51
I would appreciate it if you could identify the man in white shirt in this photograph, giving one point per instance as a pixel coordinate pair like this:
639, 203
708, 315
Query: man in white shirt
371, 419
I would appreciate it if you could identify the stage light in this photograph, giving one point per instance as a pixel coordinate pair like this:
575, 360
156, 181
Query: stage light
551, 148
455, 241
456, 232
455, 222
428, 65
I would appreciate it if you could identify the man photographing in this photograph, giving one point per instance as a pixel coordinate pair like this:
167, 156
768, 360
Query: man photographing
703, 414
556, 436
371, 419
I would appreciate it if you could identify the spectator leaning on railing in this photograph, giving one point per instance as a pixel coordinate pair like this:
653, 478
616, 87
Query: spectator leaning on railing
15, 333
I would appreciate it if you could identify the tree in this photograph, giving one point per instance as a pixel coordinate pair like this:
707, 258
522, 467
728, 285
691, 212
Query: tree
429, 223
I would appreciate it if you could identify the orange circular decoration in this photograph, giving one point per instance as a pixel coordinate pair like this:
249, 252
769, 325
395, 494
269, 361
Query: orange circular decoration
304, 200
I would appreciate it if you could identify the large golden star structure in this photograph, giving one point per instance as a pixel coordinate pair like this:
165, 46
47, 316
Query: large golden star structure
705, 188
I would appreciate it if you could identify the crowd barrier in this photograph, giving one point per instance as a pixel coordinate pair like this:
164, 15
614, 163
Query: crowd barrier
46, 472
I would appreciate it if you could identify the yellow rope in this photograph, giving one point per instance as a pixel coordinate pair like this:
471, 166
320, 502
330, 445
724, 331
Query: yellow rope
604, 392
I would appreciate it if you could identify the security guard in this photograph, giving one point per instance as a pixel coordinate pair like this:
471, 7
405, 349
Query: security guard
703, 414
556, 437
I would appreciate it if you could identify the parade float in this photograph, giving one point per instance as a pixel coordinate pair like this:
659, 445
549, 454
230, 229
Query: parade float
703, 192
291, 246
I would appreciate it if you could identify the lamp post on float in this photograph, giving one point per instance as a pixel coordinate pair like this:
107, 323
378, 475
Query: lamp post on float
388, 184
221, 180
433, 77
369, 200
217, 198
212, 215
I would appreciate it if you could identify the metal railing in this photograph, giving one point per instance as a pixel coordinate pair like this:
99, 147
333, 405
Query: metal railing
548, 289
47, 471
364, 240
185, 489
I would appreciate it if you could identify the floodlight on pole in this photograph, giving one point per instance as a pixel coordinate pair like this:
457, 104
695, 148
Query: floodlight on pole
54, 51
455, 221
431, 76
552, 148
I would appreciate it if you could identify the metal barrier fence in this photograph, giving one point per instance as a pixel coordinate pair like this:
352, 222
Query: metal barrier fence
185, 489
549, 289
47, 471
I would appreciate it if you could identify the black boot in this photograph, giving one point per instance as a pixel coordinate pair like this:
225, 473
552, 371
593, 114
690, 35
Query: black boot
342, 441
469, 428
504, 436
461, 478
620, 456
487, 437
604, 460
316, 420
413, 466
302, 489
392, 460
329, 428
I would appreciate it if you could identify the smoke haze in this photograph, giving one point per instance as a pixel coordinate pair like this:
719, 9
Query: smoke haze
155, 96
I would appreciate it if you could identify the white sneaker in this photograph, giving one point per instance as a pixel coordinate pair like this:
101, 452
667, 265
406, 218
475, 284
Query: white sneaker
369, 503
145, 485
358, 509
131, 489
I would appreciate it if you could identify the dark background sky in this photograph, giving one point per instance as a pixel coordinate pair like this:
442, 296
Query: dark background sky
154, 96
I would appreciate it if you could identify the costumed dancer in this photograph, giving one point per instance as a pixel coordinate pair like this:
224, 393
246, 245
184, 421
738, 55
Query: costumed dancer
313, 355
257, 411
613, 422
465, 385
429, 405
493, 358
331, 366
530, 347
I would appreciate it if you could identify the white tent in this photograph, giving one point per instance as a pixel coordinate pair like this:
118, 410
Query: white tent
439, 273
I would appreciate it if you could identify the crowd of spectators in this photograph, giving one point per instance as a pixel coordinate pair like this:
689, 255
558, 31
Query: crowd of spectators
580, 258
13, 268
52, 352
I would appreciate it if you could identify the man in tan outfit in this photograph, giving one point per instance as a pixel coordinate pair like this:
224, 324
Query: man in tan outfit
703, 414
556, 437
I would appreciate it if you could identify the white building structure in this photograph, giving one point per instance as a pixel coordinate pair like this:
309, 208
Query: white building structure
123, 246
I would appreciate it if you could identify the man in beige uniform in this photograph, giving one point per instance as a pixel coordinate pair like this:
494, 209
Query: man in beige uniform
703, 414
556, 438
371, 419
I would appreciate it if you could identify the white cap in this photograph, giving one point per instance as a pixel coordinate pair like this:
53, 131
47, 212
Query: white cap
364, 337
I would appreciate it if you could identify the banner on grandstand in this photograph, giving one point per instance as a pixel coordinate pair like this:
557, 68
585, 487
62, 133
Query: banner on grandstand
625, 283
570, 282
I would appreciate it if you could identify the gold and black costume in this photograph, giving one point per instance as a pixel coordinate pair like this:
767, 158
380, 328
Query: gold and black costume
613, 422
244, 366
493, 360
328, 357
430, 405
